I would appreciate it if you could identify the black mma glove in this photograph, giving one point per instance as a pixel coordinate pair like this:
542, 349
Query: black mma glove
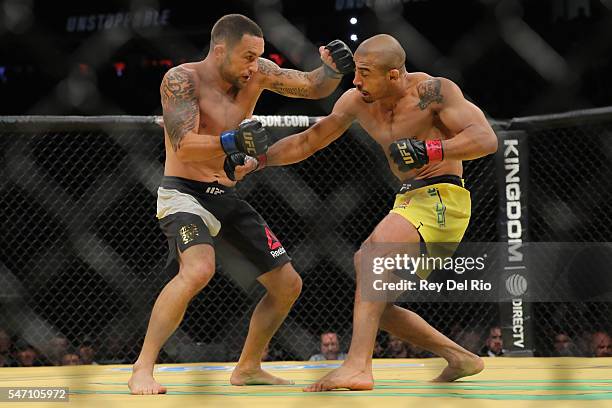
250, 138
343, 58
411, 154
239, 159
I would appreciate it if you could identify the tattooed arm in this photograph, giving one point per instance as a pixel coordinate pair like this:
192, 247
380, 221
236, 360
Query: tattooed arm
474, 137
297, 84
182, 117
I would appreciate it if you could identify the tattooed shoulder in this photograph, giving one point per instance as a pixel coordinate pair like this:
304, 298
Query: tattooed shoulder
429, 92
178, 83
180, 103
268, 67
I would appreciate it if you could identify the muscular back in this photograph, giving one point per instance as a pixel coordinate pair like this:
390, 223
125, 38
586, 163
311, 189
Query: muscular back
413, 116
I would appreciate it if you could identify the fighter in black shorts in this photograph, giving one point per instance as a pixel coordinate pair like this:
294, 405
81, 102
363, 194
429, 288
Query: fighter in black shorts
205, 104
192, 212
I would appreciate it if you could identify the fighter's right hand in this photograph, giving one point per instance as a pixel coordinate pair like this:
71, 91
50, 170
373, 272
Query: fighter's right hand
250, 138
411, 154
238, 165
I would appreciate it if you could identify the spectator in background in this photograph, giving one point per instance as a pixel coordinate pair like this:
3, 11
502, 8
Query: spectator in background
600, 345
396, 348
87, 352
58, 347
28, 356
494, 344
563, 346
6, 358
71, 358
330, 348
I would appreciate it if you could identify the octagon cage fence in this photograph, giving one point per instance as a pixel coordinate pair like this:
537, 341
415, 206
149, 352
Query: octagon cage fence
82, 257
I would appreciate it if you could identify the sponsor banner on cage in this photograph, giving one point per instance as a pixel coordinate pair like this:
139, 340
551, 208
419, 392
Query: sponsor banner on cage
470, 272
283, 120
512, 180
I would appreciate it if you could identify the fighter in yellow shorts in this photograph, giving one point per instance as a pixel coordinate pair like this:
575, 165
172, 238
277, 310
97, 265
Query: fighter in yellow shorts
426, 128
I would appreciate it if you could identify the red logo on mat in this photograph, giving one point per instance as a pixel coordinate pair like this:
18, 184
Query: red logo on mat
273, 242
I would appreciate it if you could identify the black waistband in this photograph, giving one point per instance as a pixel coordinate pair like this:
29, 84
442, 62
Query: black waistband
414, 184
196, 186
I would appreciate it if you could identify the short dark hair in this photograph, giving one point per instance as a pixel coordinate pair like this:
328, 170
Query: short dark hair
230, 28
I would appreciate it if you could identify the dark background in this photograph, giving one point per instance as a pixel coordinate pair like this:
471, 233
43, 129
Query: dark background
513, 58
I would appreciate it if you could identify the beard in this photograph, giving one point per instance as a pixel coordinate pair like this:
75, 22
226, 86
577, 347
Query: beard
229, 77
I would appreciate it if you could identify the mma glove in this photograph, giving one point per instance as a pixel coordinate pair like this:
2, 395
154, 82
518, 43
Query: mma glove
250, 138
343, 58
411, 154
239, 159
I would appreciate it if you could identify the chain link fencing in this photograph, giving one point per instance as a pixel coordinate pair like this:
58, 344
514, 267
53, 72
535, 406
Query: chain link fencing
82, 257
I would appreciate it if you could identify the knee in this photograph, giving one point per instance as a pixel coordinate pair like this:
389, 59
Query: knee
293, 286
288, 287
196, 276
364, 251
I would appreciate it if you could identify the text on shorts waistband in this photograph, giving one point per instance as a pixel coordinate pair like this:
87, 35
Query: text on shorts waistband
414, 184
180, 183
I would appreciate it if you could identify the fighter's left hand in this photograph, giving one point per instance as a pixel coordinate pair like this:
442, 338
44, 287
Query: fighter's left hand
338, 57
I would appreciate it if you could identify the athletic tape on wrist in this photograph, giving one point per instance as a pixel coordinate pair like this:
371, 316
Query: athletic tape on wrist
262, 160
434, 150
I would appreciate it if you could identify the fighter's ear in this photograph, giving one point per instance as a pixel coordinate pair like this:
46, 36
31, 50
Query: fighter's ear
394, 74
219, 50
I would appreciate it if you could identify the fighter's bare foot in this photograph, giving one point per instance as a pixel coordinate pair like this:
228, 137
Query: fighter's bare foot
343, 377
143, 383
256, 377
467, 365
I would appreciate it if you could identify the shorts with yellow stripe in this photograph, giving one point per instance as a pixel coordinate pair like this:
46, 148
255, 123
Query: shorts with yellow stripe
438, 207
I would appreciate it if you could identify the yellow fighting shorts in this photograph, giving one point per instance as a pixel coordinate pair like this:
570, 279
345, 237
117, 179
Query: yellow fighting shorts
439, 208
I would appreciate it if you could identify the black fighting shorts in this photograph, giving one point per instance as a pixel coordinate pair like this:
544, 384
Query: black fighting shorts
192, 212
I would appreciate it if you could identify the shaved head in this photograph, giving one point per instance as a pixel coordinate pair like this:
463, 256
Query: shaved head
385, 50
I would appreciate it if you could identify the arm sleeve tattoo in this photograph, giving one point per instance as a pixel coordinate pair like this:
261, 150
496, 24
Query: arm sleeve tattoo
286, 82
180, 104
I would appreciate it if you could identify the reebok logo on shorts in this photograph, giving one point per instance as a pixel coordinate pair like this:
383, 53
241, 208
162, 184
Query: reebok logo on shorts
273, 242
278, 252
276, 248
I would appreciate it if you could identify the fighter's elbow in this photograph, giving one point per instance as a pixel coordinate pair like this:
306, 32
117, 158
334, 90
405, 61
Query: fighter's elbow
487, 140
492, 143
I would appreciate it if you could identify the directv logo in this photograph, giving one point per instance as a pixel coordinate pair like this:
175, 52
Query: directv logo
516, 285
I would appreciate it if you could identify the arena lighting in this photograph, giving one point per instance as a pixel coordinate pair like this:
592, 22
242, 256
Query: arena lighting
119, 67
353, 37
353, 20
